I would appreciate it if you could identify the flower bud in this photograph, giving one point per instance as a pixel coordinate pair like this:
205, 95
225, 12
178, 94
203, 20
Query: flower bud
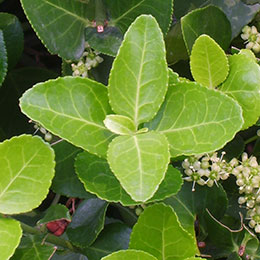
241, 200
252, 223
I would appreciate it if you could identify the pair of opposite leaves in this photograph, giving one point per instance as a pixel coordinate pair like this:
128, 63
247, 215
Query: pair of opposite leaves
75, 108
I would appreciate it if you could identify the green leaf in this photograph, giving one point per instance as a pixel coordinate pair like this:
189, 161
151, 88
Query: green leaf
87, 222
175, 46
140, 60
72, 108
10, 235
139, 163
107, 42
208, 62
195, 119
65, 181
218, 28
159, 233
243, 85
251, 2
112, 238
97, 178
59, 24
124, 12
3, 58
32, 247
68, 256
55, 212
27, 168
13, 37
121, 125
129, 255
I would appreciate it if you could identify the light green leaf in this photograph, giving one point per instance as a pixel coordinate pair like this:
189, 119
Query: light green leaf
243, 85
124, 12
129, 254
196, 119
208, 62
72, 108
13, 37
27, 168
139, 163
218, 28
159, 233
32, 247
3, 58
59, 24
97, 177
10, 235
121, 125
141, 60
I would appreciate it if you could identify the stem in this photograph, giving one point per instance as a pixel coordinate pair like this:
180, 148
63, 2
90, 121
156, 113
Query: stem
56, 199
49, 238
251, 139
100, 14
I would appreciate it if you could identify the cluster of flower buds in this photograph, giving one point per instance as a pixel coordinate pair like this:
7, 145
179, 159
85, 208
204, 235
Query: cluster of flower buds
251, 37
138, 209
209, 169
90, 59
47, 135
205, 169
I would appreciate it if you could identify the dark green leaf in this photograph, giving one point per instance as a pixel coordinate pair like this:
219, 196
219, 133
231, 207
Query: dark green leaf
107, 42
175, 46
3, 58
124, 12
97, 177
114, 237
197, 22
55, 212
87, 222
13, 37
159, 233
72, 108
243, 85
59, 24
251, 2
31, 247
68, 256
195, 120
65, 181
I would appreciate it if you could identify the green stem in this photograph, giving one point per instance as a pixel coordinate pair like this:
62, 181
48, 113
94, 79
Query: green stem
100, 13
56, 199
49, 238
251, 139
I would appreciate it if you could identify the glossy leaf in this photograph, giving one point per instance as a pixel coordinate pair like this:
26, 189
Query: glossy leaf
140, 60
10, 235
243, 85
121, 125
59, 24
55, 212
65, 181
218, 28
195, 119
13, 37
32, 247
123, 12
129, 255
72, 108
27, 168
68, 256
159, 233
208, 62
97, 177
139, 163
87, 222
107, 42
3, 58
112, 238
